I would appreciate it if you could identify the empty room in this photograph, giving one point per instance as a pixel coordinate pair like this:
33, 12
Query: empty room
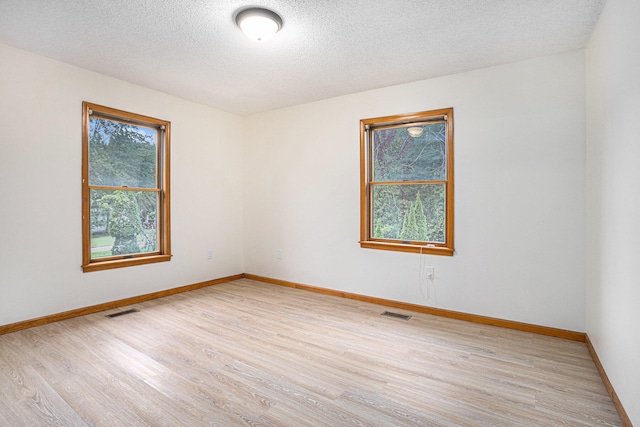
318, 213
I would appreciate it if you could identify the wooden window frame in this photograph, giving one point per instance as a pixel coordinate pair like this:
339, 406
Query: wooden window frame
162, 188
367, 126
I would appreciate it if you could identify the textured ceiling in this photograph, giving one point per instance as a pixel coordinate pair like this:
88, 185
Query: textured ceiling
192, 48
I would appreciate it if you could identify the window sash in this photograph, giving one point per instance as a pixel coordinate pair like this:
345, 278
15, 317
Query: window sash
148, 234
145, 132
397, 155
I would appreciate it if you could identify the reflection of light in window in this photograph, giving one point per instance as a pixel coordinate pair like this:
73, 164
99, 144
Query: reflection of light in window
415, 131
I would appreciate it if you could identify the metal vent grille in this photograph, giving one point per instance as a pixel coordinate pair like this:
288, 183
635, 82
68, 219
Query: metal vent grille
396, 315
122, 313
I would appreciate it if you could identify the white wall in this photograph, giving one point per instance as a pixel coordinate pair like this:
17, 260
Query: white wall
519, 188
40, 191
519, 192
613, 198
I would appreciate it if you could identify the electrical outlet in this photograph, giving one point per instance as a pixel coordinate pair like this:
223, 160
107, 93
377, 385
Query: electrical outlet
279, 254
209, 254
429, 273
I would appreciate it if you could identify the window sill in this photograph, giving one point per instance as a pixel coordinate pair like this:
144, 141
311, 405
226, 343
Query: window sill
402, 247
128, 262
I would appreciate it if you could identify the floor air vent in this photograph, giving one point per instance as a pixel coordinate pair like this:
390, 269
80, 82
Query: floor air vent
122, 313
396, 315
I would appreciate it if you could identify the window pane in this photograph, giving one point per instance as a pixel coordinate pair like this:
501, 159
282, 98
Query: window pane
411, 153
123, 222
121, 154
409, 212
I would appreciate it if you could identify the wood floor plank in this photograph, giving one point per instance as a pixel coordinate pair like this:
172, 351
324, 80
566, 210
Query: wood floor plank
36, 401
250, 353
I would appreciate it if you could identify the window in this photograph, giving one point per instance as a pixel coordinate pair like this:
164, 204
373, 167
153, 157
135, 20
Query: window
125, 189
406, 201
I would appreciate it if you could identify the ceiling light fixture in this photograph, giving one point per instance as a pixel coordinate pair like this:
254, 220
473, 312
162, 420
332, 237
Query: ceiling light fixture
258, 23
415, 131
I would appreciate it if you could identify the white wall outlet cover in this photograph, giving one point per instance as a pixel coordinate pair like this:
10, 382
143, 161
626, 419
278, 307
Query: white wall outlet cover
429, 273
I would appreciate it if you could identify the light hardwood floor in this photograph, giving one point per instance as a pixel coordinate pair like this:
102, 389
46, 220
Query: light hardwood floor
250, 353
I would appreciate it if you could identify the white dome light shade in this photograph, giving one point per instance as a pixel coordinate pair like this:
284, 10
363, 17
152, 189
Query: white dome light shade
258, 24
